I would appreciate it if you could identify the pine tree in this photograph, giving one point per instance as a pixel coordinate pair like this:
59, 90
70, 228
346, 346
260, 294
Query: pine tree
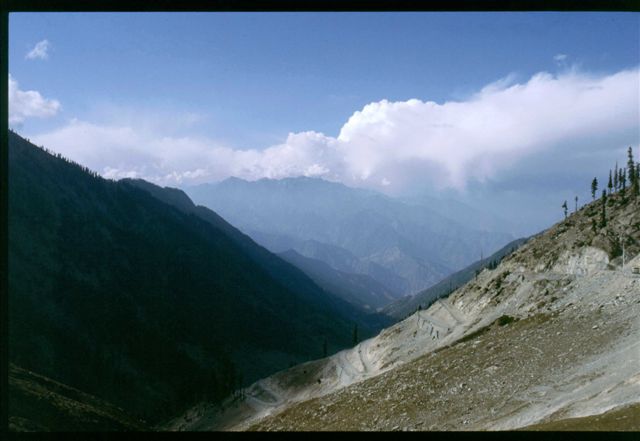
576, 205
636, 182
594, 188
623, 185
631, 172
603, 219
616, 183
610, 183
564, 206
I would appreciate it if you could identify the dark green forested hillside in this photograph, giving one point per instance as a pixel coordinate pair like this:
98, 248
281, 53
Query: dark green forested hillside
40, 404
137, 302
293, 274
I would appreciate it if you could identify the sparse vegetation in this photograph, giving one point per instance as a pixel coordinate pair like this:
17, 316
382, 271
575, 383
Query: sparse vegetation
504, 320
625, 419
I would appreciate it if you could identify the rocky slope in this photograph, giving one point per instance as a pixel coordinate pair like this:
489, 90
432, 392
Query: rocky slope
550, 335
407, 305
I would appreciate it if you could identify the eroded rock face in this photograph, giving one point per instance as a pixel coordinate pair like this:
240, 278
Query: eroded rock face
586, 261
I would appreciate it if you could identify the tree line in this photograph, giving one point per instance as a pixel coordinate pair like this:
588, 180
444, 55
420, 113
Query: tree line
617, 183
87, 170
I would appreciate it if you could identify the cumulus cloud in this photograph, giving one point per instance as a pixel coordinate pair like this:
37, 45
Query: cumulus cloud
39, 51
389, 145
475, 139
25, 104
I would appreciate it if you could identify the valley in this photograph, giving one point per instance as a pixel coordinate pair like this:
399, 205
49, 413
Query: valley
406, 246
229, 219
544, 331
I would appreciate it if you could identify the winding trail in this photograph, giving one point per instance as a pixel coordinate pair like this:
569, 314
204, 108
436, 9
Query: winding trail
423, 315
453, 311
253, 397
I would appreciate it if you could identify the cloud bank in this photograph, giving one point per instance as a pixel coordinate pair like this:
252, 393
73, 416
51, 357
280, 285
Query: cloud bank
28, 104
387, 145
40, 51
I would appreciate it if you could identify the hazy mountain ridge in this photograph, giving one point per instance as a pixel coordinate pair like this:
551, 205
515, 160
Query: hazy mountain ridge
336, 257
358, 289
412, 241
467, 215
282, 269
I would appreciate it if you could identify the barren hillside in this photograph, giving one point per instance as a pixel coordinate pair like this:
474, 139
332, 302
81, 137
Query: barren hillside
551, 334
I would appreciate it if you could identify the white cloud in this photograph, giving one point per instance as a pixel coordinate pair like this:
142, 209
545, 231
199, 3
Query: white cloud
477, 138
40, 51
388, 145
28, 104
118, 151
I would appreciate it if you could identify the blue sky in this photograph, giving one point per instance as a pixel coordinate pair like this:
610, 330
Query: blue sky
224, 87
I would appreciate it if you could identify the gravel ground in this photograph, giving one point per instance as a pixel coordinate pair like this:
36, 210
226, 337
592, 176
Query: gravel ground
507, 377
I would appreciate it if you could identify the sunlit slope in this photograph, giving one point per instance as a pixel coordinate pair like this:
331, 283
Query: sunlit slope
551, 333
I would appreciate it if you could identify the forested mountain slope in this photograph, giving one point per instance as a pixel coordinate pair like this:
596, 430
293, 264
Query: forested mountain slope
125, 297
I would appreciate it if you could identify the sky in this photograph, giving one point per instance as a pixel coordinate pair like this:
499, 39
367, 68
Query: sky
512, 112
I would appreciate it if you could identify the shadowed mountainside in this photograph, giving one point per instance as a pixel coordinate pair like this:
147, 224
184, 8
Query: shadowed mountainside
283, 269
358, 289
40, 404
144, 305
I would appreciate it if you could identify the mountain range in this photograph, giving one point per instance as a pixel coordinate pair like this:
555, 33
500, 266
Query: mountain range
133, 308
405, 246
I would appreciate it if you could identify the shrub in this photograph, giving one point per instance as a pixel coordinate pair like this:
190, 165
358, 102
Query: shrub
505, 320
